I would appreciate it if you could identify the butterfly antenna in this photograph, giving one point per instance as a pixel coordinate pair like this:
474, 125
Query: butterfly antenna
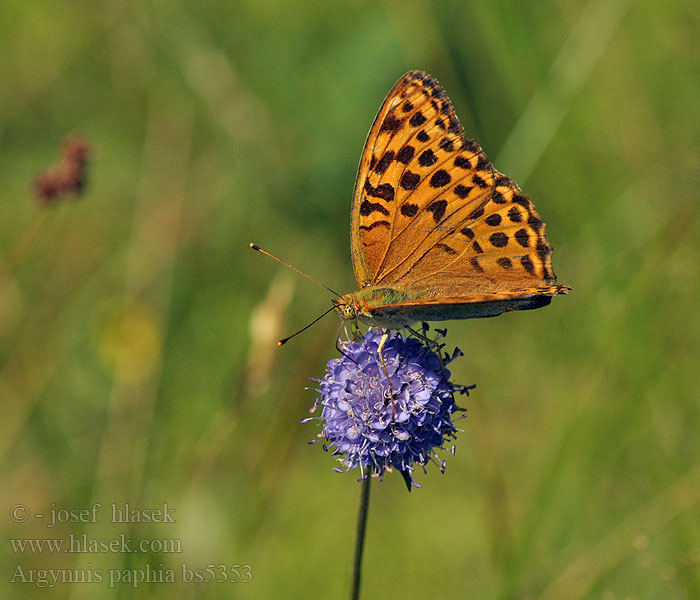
259, 249
285, 340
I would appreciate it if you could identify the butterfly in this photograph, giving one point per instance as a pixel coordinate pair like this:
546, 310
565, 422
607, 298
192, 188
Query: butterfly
436, 232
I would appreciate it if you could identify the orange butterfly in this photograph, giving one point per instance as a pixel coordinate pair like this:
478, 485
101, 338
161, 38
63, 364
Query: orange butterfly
437, 233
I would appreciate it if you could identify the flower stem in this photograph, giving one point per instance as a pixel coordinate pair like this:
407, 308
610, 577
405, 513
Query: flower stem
360, 540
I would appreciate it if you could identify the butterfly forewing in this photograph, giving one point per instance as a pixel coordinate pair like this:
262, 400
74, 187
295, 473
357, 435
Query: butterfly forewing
400, 192
430, 213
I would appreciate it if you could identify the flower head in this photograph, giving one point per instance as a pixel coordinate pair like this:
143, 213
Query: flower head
378, 423
68, 176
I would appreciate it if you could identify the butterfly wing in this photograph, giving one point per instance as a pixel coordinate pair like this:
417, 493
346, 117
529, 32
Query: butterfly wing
431, 215
400, 314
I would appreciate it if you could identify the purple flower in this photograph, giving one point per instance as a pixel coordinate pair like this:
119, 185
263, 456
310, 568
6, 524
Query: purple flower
377, 426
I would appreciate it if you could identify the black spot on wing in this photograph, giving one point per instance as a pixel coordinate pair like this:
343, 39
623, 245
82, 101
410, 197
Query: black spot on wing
467, 232
480, 182
438, 210
543, 250
385, 191
514, 215
497, 197
463, 162
409, 180
417, 119
384, 163
462, 190
535, 222
428, 80
391, 124
505, 262
499, 239
367, 208
527, 264
427, 158
449, 250
409, 210
438, 92
440, 178
405, 154
475, 263
483, 164
522, 237
381, 223
447, 144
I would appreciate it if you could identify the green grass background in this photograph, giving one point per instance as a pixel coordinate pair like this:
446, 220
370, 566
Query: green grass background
137, 330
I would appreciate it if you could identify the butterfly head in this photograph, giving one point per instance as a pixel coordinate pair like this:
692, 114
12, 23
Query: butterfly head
346, 307
372, 306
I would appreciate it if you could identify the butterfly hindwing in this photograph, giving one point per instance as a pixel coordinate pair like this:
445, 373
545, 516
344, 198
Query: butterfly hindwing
445, 309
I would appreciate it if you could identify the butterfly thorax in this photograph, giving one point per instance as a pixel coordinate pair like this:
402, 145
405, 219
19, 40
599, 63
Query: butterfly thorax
364, 304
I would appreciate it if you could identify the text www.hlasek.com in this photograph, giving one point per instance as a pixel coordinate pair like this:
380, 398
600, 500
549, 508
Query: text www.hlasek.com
83, 543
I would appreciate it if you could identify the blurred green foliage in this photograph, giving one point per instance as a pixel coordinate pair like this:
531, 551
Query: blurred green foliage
137, 330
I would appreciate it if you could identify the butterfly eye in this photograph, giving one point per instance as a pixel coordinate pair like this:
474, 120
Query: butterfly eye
349, 312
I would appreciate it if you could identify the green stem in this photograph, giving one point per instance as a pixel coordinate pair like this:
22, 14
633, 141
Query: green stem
360, 540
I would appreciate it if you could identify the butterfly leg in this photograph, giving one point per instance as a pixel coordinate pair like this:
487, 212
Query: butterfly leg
385, 337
